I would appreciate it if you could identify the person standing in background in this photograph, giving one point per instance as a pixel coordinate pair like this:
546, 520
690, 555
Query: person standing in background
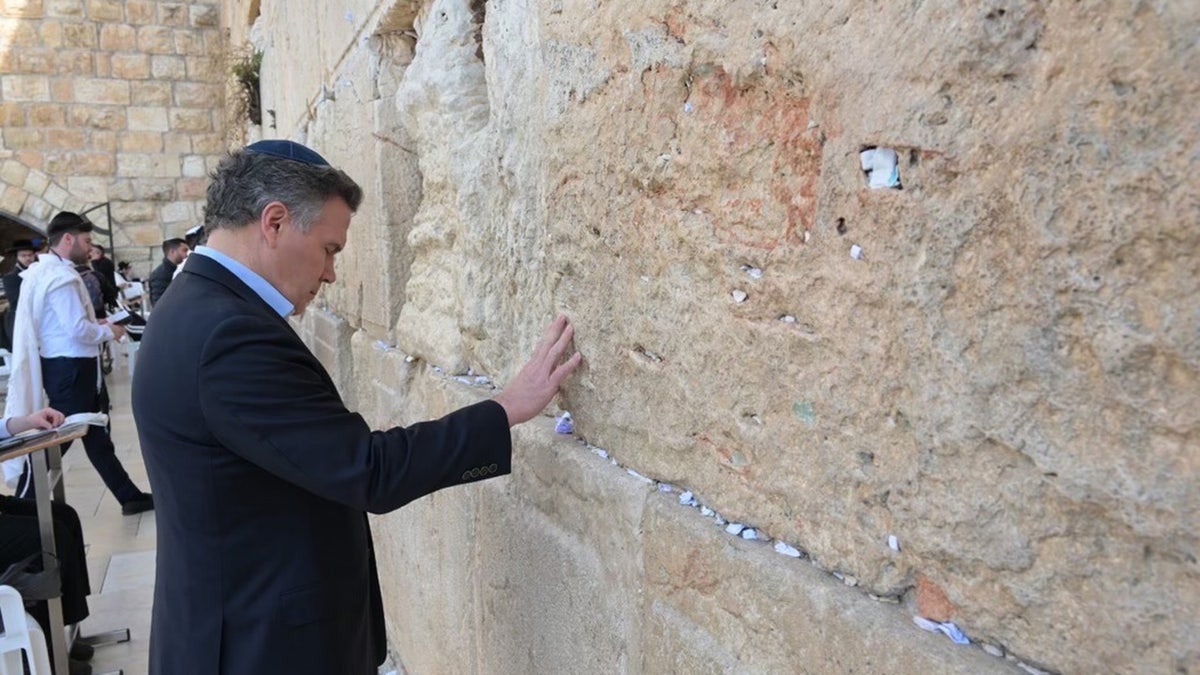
26, 253
174, 253
106, 271
56, 350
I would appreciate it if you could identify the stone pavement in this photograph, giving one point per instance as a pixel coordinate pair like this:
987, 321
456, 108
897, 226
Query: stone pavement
120, 549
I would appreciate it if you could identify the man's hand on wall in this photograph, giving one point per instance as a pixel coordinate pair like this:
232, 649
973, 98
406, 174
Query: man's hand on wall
537, 383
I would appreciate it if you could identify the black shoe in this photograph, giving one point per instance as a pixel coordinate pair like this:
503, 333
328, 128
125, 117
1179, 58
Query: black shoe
138, 505
82, 651
79, 667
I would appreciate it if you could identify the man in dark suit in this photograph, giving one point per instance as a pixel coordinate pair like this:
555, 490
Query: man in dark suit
107, 273
174, 252
265, 562
26, 254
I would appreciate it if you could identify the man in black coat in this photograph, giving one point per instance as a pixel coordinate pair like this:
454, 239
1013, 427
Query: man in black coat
26, 253
265, 562
107, 273
174, 251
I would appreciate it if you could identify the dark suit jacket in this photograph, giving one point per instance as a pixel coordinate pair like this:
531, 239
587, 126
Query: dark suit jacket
12, 291
159, 279
261, 481
12, 286
108, 284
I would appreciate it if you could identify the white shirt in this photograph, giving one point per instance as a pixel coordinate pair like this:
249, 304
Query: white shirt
68, 326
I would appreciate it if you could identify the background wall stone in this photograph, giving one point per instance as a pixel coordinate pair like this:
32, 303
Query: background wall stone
111, 100
1005, 380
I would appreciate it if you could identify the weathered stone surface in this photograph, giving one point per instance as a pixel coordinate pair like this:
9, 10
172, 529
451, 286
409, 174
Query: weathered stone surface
118, 37
55, 195
140, 12
22, 9
36, 60
131, 66
17, 139
87, 188
102, 91
141, 235
13, 172
65, 139
156, 40
710, 595
147, 118
12, 115
141, 142
108, 118
46, 116
178, 212
150, 93
25, 87
147, 165
168, 67
12, 198
105, 10
1007, 380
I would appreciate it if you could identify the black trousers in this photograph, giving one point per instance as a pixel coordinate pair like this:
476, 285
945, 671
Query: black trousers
21, 537
71, 386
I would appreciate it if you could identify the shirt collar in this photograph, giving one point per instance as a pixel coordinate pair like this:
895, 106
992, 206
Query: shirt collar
54, 257
270, 295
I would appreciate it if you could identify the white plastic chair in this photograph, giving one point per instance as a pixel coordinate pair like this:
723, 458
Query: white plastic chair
21, 634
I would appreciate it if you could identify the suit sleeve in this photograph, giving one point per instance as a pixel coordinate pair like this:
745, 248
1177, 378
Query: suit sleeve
265, 399
12, 288
107, 288
156, 284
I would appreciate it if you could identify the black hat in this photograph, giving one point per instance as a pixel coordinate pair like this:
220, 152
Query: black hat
22, 245
67, 221
287, 150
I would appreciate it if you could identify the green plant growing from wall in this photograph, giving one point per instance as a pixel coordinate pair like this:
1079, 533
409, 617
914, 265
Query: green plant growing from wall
246, 72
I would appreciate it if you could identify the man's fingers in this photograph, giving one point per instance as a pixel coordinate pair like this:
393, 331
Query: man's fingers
560, 373
549, 335
560, 346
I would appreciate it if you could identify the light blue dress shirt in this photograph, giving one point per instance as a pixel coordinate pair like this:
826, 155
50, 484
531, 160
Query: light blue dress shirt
259, 285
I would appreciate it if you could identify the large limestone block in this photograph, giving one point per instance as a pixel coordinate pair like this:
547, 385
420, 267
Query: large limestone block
549, 601
339, 133
718, 604
323, 32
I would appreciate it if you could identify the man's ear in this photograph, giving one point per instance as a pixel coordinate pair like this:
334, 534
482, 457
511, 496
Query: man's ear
274, 216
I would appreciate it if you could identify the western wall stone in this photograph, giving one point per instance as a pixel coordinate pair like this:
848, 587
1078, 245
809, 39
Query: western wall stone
1005, 379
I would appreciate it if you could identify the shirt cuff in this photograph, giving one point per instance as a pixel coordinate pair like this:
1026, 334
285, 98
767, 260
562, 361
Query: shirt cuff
4, 432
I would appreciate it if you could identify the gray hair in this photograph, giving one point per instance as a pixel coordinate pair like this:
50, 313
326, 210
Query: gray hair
245, 182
